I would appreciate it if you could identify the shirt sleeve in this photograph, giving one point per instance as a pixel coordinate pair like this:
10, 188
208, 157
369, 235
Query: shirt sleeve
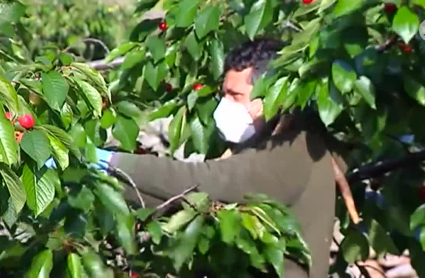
279, 168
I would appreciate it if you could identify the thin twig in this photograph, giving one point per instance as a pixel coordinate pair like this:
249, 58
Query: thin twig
128, 178
387, 44
382, 167
92, 40
104, 65
344, 187
177, 197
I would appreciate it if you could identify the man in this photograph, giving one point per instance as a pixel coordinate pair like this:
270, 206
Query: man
293, 166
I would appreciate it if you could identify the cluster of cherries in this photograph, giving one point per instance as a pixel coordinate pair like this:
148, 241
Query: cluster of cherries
26, 121
168, 87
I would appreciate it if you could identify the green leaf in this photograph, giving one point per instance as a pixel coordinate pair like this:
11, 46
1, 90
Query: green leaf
55, 89
96, 79
380, 241
65, 59
355, 40
8, 95
120, 51
419, 2
8, 145
329, 105
418, 217
92, 97
304, 91
74, 267
39, 188
65, 138
178, 220
176, 129
112, 199
205, 110
130, 110
200, 135
229, 225
217, 58
365, 87
193, 46
11, 12
200, 200
306, 9
325, 4
156, 46
203, 245
414, 89
41, 265
343, 76
207, 21
188, 242
94, 265
274, 97
15, 187
355, 247
186, 12
275, 256
83, 200
144, 213
36, 145
405, 23
79, 135
259, 17
60, 152
125, 228
133, 58
108, 119
164, 111
253, 225
155, 74
155, 230
126, 131
344, 7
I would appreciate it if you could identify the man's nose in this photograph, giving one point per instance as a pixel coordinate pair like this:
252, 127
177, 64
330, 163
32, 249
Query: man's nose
229, 97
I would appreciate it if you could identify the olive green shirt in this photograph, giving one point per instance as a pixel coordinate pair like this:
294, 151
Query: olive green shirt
293, 167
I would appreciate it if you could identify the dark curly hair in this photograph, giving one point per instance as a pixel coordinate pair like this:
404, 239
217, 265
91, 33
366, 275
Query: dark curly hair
257, 54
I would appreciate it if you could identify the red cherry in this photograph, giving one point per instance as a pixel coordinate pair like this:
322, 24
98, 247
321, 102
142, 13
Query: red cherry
389, 8
104, 103
406, 48
162, 26
197, 87
8, 115
168, 87
422, 193
27, 121
134, 275
307, 1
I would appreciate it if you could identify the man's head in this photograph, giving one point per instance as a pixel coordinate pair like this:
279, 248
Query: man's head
245, 64
237, 117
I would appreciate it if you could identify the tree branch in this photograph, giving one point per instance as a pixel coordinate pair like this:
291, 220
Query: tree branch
344, 187
382, 167
176, 198
117, 171
103, 65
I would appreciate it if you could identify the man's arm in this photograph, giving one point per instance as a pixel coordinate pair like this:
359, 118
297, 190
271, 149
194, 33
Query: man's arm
281, 170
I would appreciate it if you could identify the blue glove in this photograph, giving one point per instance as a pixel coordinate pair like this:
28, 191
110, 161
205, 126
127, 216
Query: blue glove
102, 157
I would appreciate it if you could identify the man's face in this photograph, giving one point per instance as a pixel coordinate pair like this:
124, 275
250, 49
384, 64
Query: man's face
236, 86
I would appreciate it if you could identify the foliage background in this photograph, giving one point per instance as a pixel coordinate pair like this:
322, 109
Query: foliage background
347, 60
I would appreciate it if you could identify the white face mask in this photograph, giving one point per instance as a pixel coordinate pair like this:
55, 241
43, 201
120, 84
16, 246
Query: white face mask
233, 121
